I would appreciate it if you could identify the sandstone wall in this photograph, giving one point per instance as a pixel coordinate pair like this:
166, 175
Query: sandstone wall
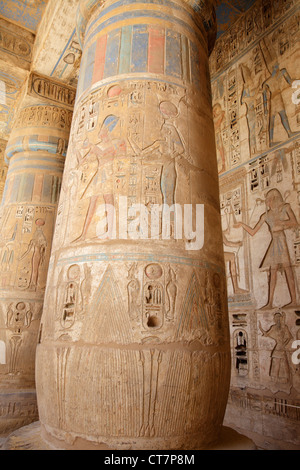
256, 104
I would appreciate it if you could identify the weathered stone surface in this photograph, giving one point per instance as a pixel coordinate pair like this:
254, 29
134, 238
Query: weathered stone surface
35, 153
16, 44
256, 118
18, 407
31, 438
134, 335
57, 53
255, 86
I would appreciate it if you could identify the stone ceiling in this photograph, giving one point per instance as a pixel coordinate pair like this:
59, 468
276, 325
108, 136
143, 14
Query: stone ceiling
26, 13
40, 35
228, 12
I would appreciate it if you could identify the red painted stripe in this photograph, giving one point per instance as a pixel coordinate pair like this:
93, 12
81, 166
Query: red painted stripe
100, 59
43, 138
156, 53
37, 188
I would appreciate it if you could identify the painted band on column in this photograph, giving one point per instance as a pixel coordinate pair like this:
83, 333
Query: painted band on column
35, 154
136, 339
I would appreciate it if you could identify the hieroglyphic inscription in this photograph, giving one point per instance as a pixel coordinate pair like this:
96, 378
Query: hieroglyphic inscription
19, 45
51, 90
48, 116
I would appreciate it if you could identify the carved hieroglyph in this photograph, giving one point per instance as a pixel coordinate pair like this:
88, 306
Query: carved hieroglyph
134, 335
254, 81
255, 73
35, 154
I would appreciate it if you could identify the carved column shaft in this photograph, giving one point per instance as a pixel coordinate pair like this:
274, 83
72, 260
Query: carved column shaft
35, 153
136, 336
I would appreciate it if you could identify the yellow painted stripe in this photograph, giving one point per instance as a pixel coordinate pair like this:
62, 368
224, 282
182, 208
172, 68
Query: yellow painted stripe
149, 20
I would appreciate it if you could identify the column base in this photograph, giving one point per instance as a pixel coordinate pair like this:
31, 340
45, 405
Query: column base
30, 438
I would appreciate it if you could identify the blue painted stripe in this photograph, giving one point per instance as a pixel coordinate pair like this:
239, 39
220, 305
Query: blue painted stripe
58, 168
15, 189
140, 14
16, 146
81, 74
186, 73
121, 3
27, 187
89, 67
35, 158
125, 52
63, 70
173, 54
47, 188
34, 145
21, 187
63, 52
195, 65
112, 53
4, 192
145, 257
139, 50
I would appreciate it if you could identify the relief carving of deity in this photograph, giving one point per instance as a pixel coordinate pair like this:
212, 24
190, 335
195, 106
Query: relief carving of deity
279, 217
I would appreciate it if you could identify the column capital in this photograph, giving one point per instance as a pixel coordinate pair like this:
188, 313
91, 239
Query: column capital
55, 119
47, 104
205, 9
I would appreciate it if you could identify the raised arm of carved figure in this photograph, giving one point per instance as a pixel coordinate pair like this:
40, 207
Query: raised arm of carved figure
27, 251
254, 230
145, 152
264, 332
287, 77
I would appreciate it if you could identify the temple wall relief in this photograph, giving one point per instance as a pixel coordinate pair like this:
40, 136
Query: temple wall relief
255, 87
135, 328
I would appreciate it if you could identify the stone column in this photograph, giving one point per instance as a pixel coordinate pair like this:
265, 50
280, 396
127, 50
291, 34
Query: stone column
35, 154
134, 345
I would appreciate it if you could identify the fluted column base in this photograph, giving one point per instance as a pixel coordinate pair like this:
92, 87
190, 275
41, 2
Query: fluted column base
33, 437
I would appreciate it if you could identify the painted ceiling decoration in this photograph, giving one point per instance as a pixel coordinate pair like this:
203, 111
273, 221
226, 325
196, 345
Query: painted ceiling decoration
60, 60
26, 13
229, 10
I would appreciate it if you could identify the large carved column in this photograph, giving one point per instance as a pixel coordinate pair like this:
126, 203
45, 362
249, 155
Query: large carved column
35, 153
134, 345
